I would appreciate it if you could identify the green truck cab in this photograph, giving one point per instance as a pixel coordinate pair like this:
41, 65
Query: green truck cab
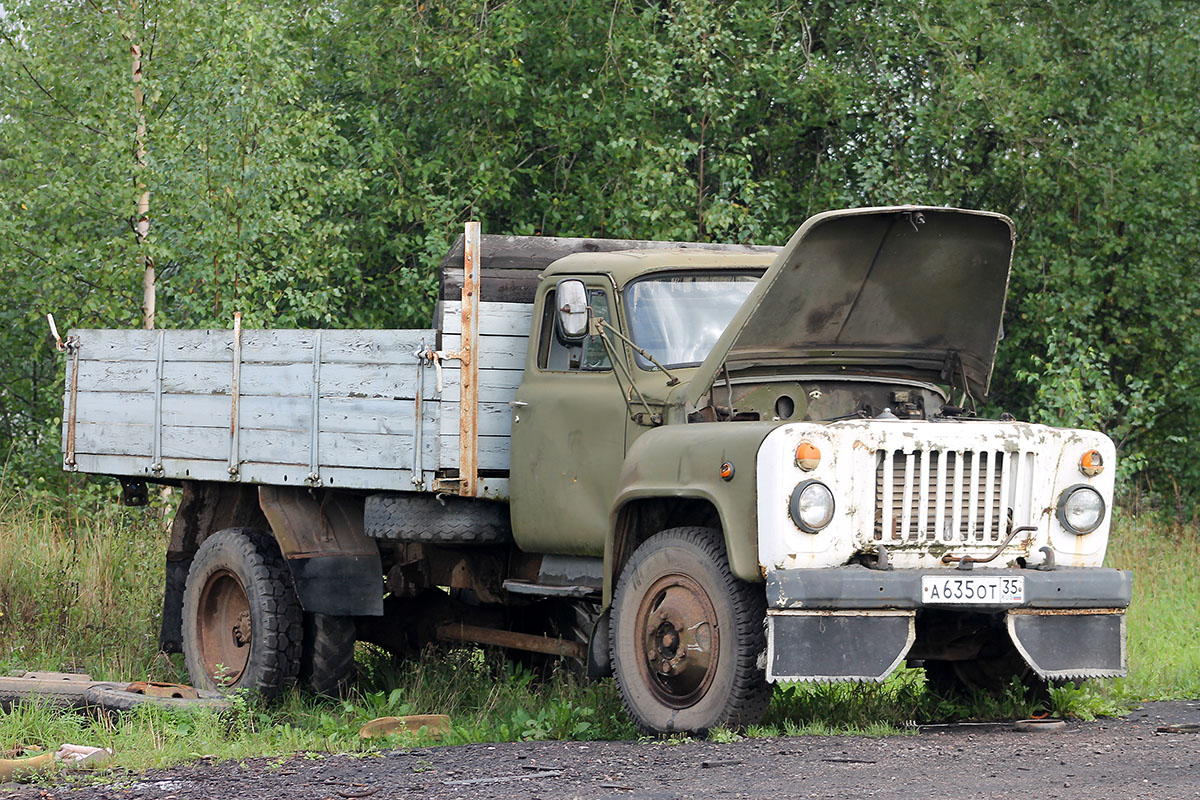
703, 469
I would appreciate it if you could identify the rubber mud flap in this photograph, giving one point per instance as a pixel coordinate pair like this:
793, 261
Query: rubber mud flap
1070, 645
338, 585
837, 645
170, 637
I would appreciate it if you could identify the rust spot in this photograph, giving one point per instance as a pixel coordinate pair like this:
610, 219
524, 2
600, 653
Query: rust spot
469, 374
1065, 612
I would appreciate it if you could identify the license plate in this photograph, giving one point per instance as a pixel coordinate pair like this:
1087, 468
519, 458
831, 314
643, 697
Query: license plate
972, 589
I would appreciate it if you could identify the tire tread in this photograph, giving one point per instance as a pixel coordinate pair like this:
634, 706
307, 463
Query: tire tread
327, 663
258, 554
425, 519
750, 694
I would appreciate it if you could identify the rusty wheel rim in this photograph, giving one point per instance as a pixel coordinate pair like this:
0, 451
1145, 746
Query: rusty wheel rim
224, 628
678, 642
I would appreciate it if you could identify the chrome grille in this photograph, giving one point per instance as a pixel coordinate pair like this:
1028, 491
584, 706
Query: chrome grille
961, 496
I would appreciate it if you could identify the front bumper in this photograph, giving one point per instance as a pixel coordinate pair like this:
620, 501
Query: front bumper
860, 588
858, 624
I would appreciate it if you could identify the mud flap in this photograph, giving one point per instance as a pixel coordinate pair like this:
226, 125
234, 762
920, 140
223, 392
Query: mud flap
339, 585
1070, 644
599, 660
837, 646
170, 636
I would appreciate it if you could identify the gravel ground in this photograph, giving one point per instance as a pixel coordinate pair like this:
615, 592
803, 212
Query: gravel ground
1111, 758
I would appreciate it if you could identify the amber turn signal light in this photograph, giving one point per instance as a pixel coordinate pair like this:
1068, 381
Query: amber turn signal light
727, 471
807, 456
1092, 463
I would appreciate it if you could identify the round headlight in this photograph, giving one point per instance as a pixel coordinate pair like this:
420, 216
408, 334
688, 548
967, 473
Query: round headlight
1081, 509
811, 506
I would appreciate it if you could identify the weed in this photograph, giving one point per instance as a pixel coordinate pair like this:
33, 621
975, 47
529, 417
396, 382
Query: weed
723, 735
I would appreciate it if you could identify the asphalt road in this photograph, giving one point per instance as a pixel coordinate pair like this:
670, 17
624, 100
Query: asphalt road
1110, 758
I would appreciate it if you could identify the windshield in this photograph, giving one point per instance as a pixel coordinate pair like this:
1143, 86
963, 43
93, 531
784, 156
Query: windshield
678, 318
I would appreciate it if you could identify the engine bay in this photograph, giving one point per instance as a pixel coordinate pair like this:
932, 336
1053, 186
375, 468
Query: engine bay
824, 398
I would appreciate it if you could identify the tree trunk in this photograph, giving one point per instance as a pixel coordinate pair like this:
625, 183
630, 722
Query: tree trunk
142, 228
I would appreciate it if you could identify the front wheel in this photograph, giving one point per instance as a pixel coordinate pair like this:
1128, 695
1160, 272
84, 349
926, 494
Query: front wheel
242, 624
687, 636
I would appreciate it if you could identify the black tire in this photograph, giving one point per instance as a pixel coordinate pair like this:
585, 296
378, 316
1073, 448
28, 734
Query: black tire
115, 698
677, 586
242, 626
990, 673
422, 518
327, 659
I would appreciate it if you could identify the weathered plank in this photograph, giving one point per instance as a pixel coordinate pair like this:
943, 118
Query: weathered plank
505, 259
495, 419
497, 285
115, 439
367, 450
339, 414
268, 380
115, 376
258, 346
495, 352
493, 452
495, 319
537, 252
399, 480
495, 385
125, 408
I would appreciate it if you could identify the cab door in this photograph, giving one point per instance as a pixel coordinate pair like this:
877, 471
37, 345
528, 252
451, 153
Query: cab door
568, 434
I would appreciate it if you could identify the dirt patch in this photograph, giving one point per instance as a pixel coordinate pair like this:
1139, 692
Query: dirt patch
1113, 758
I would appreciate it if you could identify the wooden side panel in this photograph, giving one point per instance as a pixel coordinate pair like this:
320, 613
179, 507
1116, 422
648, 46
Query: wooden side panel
503, 343
509, 265
131, 407
258, 346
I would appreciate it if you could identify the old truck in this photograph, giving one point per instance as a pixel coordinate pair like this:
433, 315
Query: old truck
702, 468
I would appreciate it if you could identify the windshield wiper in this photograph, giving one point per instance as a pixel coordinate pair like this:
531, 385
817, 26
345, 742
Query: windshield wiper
673, 380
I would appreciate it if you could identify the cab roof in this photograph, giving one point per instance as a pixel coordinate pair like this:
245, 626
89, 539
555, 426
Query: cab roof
627, 265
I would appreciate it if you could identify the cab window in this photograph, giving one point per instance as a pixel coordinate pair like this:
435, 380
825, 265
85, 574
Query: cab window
555, 355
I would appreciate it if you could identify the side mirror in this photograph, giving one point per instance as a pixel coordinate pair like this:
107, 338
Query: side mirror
570, 295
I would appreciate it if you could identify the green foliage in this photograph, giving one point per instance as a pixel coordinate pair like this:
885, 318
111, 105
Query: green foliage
309, 165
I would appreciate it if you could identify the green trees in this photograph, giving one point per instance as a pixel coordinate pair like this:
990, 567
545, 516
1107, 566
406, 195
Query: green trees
308, 164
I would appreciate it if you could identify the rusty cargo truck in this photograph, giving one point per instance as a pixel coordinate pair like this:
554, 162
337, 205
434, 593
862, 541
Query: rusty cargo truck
702, 468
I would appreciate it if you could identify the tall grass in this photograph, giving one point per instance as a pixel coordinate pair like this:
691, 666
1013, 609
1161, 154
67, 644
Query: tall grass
80, 590
80, 586
1163, 622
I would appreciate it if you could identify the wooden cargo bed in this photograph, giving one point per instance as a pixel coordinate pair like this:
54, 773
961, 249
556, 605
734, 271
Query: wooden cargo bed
162, 404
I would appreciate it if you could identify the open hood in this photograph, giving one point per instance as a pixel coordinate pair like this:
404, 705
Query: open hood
910, 290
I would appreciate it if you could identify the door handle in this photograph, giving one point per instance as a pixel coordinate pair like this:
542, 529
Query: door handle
517, 403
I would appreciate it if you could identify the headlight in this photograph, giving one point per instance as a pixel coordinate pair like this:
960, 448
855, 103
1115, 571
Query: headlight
1080, 509
811, 506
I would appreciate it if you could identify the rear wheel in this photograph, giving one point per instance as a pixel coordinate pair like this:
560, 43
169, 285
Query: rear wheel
327, 660
687, 636
242, 623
